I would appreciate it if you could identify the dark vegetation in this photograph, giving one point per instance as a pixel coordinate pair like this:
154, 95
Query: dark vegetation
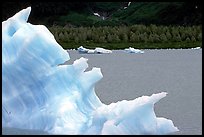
138, 36
140, 25
81, 13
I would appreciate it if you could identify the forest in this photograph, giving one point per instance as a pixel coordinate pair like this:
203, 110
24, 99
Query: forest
140, 34
117, 24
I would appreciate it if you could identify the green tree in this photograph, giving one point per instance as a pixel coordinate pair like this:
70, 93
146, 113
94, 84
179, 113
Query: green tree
151, 38
143, 37
153, 28
76, 40
200, 37
61, 36
193, 38
176, 38
124, 38
109, 38
134, 37
168, 35
188, 39
163, 38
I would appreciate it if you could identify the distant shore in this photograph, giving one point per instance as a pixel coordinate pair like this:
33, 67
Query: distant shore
120, 46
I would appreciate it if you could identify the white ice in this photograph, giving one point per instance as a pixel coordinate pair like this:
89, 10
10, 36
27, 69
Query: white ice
102, 50
38, 93
132, 50
81, 49
197, 48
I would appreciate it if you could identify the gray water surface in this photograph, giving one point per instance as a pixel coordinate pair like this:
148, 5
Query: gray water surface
178, 72
128, 76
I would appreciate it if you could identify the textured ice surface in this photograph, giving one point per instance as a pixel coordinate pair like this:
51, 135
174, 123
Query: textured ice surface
40, 94
81, 49
132, 50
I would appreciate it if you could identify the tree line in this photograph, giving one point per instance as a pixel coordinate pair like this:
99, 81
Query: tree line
127, 34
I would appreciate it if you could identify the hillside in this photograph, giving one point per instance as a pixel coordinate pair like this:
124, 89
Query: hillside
109, 13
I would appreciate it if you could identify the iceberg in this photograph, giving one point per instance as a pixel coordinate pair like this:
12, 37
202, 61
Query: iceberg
132, 50
102, 50
40, 94
81, 49
196, 48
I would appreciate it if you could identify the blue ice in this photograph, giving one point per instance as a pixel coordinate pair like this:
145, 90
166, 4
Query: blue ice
38, 93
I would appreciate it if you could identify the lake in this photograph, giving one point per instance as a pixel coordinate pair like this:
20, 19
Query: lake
127, 76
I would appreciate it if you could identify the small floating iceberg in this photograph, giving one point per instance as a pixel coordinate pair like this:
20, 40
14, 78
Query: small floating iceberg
196, 48
102, 50
81, 49
132, 50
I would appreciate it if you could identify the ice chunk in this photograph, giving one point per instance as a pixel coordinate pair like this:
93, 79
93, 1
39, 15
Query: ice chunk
40, 94
81, 49
102, 50
132, 50
91, 51
196, 48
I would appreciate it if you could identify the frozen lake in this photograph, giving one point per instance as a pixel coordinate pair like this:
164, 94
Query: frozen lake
128, 76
